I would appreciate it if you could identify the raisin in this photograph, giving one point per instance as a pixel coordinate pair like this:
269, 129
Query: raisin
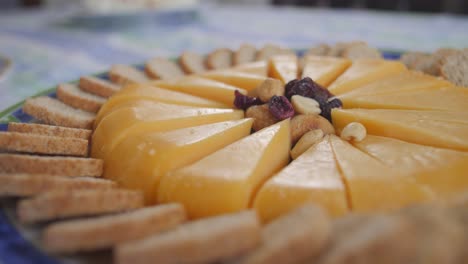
328, 106
280, 107
242, 101
307, 88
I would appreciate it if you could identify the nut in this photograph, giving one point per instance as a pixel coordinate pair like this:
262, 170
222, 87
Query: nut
268, 88
261, 115
354, 132
301, 124
305, 105
306, 141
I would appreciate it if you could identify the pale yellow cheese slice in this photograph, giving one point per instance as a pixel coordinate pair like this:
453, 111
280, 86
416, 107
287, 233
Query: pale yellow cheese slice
246, 81
227, 180
202, 87
313, 177
372, 185
324, 70
148, 92
257, 68
431, 128
364, 71
442, 171
283, 67
140, 161
443, 99
152, 116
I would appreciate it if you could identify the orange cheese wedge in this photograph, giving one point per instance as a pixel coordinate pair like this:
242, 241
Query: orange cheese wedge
364, 71
324, 70
283, 67
246, 81
140, 161
311, 178
227, 180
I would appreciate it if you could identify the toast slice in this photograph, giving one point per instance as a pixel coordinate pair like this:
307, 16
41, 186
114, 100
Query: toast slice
192, 63
100, 232
20, 185
270, 50
98, 86
245, 54
73, 96
455, 68
47, 130
59, 166
412, 58
38, 144
202, 241
318, 50
361, 51
339, 47
219, 59
66, 204
161, 68
53, 112
125, 74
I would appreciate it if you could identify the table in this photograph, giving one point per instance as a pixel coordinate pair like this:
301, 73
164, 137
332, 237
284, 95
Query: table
52, 46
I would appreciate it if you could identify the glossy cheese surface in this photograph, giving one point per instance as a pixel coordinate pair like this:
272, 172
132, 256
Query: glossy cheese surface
246, 81
154, 117
141, 160
364, 71
227, 180
283, 67
324, 70
313, 177
431, 128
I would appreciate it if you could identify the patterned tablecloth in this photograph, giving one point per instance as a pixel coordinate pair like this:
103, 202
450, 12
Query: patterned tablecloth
51, 46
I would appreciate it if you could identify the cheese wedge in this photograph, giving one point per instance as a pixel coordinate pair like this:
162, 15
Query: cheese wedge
227, 180
404, 82
202, 87
324, 70
313, 177
152, 116
246, 81
283, 67
442, 171
152, 93
442, 99
373, 186
431, 128
364, 71
140, 161
257, 68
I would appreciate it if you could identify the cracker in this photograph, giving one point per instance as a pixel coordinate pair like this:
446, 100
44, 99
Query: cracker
361, 51
161, 68
125, 74
60, 166
192, 62
65, 204
47, 130
38, 144
455, 68
318, 50
202, 241
73, 96
219, 59
270, 50
98, 86
106, 231
19, 185
245, 54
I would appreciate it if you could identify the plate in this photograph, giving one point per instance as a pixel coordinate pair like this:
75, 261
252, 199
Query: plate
20, 245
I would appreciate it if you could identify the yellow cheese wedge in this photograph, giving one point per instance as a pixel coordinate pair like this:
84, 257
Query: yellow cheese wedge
152, 116
431, 128
283, 67
373, 186
140, 161
227, 180
257, 68
312, 177
202, 87
324, 70
246, 81
443, 99
364, 71
404, 82
442, 171
144, 91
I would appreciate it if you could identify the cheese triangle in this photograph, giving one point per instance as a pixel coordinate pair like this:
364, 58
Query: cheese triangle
140, 161
324, 70
227, 180
246, 81
283, 68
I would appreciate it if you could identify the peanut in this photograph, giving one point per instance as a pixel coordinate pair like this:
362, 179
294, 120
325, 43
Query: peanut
305, 105
261, 115
306, 141
301, 124
267, 89
354, 132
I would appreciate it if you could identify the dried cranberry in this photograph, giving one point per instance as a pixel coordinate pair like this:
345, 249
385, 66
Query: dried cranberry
328, 106
308, 88
242, 101
280, 107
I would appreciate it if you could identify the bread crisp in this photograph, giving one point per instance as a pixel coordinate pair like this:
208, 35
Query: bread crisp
219, 59
455, 68
203, 241
106, 231
161, 68
65, 204
361, 51
98, 86
59, 166
192, 62
53, 112
73, 96
38, 144
318, 50
47, 130
245, 54
125, 74
270, 50
19, 185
